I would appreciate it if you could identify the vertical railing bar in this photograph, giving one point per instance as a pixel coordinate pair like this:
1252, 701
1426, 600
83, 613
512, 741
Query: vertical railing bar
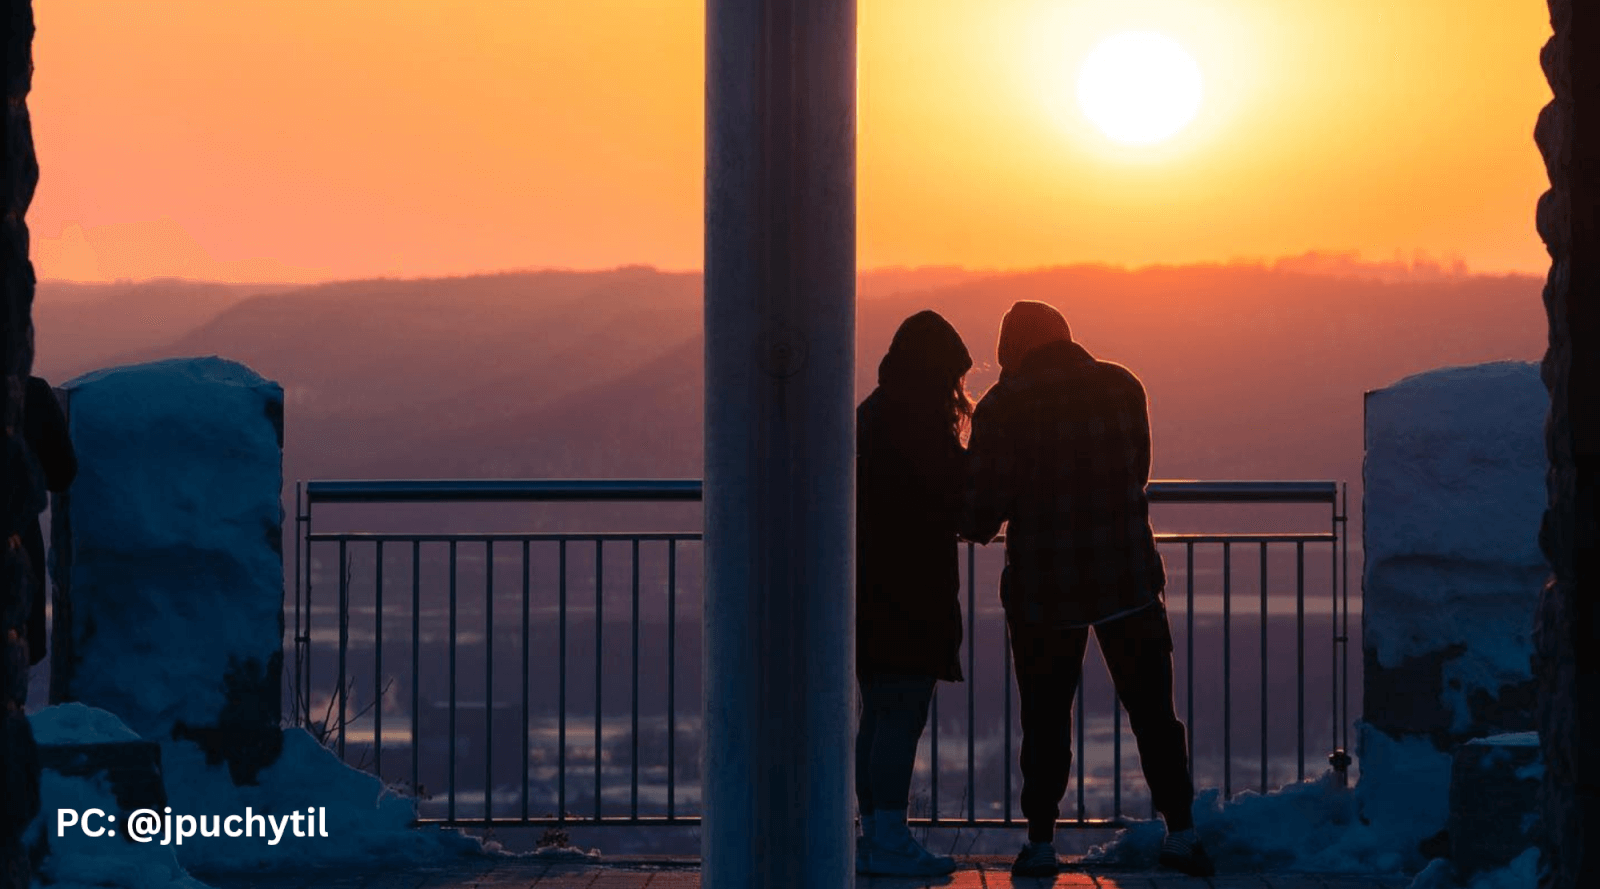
1010, 761
299, 661
451, 802
1077, 698
377, 666
1344, 635
416, 663
672, 677
305, 696
1116, 754
1227, 669
634, 748
527, 641
561, 694
488, 677
1263, 666
1333, 643
933, 753
972, 683
344, 641
1300, 657
1189, 646
599, 666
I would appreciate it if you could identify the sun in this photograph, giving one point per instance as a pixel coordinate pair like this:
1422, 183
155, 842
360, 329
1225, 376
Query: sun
1139, 87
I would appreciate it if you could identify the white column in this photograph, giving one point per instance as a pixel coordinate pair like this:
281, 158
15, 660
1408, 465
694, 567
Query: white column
779, 473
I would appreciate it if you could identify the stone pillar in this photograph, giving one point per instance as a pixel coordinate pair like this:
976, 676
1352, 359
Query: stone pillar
1454, 474
171, 561
21, 488
779, 470
1567, 635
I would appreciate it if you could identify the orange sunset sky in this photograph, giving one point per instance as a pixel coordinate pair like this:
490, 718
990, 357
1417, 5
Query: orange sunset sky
311, 139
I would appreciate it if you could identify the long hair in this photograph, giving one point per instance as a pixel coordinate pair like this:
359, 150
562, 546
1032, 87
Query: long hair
927, 365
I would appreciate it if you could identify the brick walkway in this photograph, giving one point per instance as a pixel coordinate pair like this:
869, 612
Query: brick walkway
982, 873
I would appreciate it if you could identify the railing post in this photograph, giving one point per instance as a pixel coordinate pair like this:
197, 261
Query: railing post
779, 324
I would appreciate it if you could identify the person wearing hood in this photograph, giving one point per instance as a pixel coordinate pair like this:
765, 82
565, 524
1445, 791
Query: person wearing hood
910, 471
1060, 453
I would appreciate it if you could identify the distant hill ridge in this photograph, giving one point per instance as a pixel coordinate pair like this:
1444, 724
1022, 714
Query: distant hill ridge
1253, 370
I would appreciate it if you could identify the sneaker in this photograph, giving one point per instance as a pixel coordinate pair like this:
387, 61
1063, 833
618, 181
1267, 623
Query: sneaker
1036, 860
1183, 852
906, 859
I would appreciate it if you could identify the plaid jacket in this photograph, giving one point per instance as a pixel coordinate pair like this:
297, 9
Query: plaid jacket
1060, 450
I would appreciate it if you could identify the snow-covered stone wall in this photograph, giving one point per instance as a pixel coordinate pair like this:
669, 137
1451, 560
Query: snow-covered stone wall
1454, 472
171, 560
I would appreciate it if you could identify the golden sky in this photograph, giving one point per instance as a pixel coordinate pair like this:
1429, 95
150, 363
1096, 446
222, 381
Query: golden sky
310, 139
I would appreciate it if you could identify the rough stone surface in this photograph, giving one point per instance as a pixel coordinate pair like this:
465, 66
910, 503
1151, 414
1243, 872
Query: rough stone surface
21, 488
1567, 632
172, 568
1494, 800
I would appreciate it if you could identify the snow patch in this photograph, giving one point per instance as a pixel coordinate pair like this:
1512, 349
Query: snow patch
1509, 739
1437, 875
564, 853
365, 820
1404, 789
76, 860
1521, 873
1315, 825
76, 723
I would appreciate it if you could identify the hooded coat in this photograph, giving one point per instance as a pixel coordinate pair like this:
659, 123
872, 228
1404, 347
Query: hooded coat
910, 472
1060, 450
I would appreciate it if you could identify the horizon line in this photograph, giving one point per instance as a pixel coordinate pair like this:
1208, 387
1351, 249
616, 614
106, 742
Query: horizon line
1313, 263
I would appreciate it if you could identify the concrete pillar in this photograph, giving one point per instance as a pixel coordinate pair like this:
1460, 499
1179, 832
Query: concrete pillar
779, 471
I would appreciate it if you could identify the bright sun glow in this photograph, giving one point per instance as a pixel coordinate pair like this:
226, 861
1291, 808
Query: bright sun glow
1139, 87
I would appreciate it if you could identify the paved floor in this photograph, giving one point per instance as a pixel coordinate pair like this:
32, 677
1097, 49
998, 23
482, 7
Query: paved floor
980, 873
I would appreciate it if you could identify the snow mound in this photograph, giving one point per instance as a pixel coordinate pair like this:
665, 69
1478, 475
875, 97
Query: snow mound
1312, 826
1404, 790
1521, 873
564, 853
365, 821
76, 723
77, 860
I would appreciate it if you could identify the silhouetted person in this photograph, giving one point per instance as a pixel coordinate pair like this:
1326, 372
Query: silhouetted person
909, 480
44, 428
1060, 450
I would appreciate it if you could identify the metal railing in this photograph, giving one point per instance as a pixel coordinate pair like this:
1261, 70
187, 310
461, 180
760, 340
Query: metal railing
558, 772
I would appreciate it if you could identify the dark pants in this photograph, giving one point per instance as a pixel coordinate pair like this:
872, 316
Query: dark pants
1049, 663
894, 711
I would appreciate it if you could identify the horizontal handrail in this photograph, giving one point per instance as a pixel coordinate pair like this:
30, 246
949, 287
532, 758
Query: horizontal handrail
1190, 491
618, 536
502, 490
690, 490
